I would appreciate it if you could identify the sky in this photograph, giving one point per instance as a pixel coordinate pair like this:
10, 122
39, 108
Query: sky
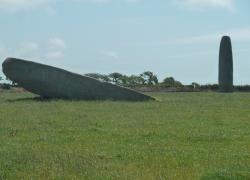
178, 38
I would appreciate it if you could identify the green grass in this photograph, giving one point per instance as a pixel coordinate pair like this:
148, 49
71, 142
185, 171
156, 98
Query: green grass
180, 136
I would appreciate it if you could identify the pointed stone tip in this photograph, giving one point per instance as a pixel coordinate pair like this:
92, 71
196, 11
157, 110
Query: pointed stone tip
225, 40
225, 37
6, 62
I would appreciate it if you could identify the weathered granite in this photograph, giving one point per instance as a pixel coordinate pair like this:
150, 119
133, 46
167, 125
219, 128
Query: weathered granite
226, 65
52, 82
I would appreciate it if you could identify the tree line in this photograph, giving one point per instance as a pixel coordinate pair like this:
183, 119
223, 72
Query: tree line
150, 80
147, 80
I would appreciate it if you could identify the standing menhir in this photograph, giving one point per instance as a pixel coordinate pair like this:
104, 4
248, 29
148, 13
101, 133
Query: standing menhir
226, 65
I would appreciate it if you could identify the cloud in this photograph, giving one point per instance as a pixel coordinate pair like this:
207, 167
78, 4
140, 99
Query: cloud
25, 50
29, 46
2, 49
56, 48
3, 53
110, 54
16, 5
106, 1
20, 5
92, 1
56, 43
55, 55
133, 1
236, 34
28, 50
50, 11
100, 1
227, 4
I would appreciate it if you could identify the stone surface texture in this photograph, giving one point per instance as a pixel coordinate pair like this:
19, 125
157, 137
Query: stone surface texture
52, 82
226, 65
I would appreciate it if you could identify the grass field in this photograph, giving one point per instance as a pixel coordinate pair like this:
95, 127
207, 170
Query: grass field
180, 136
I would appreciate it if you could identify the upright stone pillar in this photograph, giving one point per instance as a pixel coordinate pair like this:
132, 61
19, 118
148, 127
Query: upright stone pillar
225, 65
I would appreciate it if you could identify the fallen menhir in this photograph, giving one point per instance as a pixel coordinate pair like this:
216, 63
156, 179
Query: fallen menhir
52, 82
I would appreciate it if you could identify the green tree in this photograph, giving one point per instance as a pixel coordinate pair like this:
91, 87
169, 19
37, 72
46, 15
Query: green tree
134, 80
124, 80
116, 77
100, 77
171, 82
149, 78
195, 85
12, 83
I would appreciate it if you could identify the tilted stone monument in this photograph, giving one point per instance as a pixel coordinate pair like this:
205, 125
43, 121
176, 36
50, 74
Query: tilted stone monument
226, 65
52, 82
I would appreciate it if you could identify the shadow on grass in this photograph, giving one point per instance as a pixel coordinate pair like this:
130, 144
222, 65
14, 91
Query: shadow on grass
38, 99
43, 99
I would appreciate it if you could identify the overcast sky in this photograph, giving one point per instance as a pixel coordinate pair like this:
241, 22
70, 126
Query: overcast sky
178, 38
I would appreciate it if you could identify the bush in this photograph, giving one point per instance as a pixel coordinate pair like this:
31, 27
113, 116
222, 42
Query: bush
5, 86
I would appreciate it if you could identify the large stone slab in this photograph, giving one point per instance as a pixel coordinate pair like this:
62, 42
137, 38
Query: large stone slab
52, 82
226, 65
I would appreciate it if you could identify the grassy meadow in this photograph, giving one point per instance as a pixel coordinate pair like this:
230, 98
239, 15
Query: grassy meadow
180, 136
